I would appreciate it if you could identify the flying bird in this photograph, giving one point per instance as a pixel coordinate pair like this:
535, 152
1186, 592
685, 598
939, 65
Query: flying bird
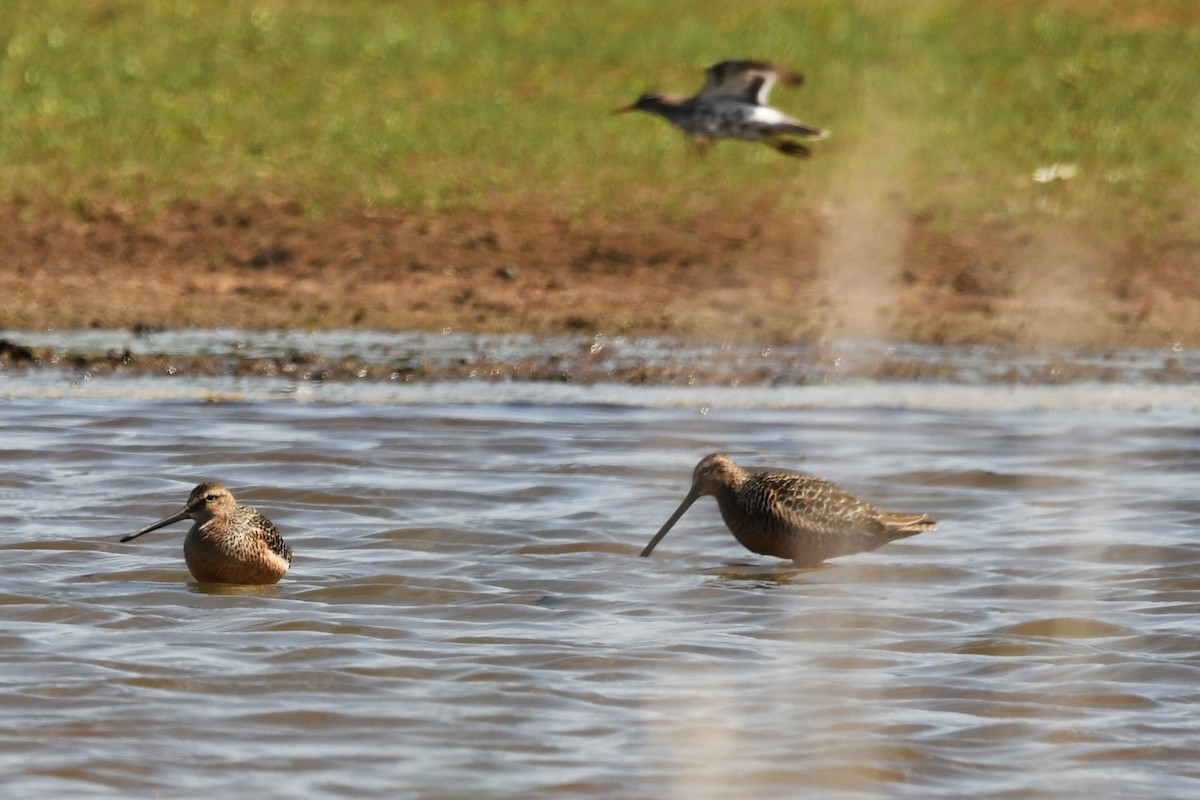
732, 104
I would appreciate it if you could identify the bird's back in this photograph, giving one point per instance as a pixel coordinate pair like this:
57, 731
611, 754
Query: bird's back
269, 535
244, 547
809, 519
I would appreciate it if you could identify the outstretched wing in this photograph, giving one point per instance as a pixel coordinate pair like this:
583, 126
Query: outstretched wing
747, 81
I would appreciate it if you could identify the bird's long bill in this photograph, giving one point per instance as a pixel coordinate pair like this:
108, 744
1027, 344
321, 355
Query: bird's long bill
162, 523
625, 109
684, 506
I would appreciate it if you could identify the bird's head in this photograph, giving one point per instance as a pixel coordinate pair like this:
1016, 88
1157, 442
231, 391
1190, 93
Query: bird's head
651, 101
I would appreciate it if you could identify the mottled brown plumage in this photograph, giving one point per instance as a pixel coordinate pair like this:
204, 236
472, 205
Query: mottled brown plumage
791, 515
228, 543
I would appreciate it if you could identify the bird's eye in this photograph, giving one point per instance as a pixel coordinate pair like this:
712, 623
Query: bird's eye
212, 498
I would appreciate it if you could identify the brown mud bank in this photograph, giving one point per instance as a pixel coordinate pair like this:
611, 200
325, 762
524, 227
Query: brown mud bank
259, 265
593, 359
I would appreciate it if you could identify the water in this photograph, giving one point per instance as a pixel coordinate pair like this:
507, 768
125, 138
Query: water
467, 616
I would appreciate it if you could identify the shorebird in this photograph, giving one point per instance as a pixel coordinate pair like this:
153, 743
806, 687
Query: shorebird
791, 515
732, 105
228, 543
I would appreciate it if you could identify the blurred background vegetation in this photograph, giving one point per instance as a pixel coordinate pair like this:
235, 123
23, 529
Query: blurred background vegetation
949, 107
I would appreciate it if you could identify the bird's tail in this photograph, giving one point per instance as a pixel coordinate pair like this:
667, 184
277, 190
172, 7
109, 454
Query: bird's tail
794, 128
907, 524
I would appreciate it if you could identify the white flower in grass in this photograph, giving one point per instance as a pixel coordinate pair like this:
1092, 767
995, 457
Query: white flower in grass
1055, 172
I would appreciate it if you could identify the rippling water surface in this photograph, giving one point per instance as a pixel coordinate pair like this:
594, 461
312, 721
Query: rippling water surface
467, 615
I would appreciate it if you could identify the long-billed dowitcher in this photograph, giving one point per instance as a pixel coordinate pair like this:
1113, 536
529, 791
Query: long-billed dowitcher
732, 105
791, 515
228, 543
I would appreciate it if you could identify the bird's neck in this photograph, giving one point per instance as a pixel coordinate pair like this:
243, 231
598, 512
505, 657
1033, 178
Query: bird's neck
672, 108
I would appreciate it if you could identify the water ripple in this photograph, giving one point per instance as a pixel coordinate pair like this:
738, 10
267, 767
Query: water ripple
467, 613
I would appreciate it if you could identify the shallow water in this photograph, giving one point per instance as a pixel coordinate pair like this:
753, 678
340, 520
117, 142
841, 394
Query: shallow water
179, 356
467, 614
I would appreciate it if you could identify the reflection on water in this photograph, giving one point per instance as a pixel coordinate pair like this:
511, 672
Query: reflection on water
467, 614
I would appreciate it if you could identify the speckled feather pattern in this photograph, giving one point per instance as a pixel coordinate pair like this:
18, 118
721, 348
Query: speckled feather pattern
236, 548
228, 543
792, 515
808, 519
728, 119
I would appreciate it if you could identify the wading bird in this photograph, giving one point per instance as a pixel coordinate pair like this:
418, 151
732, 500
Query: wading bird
791, 515
228, 543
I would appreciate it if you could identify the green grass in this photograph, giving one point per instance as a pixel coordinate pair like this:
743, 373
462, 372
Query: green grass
504, 105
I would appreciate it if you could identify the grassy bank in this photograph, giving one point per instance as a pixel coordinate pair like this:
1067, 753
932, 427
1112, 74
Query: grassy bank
495, 105
998, 170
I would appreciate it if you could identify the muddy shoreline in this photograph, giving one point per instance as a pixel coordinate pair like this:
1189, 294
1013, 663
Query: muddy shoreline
593, 360
258, 264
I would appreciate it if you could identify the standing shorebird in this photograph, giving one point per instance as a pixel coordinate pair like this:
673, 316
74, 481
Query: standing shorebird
229, 543
732, 105
790, 515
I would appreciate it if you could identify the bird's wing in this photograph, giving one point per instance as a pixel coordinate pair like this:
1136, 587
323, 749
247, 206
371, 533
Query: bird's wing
747, 81
270, 536
814, 504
